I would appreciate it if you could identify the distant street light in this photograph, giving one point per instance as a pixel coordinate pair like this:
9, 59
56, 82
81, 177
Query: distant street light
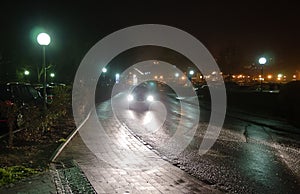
44, 40
176, 74
52, 75
117, 78
262, 61
104, 70
26, 72
191, 72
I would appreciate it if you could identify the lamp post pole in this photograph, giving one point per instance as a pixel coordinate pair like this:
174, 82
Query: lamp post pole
262, 61
45, 77
44, 40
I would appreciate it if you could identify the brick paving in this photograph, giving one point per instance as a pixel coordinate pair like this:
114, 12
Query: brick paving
114, 161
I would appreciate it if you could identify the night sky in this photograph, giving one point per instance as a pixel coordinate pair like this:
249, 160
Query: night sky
235, 33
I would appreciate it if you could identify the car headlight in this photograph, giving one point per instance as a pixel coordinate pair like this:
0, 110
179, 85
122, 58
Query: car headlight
150, 98
130, 97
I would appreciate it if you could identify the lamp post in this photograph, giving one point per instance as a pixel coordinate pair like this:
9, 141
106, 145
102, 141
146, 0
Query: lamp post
44, 40
104, 70
262, 61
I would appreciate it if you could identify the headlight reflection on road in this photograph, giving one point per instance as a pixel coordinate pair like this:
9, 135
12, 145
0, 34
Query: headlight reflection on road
147, 118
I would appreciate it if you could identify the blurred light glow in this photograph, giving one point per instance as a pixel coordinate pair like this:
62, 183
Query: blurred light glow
104, 70
52, 75
130, 97
26, 72
262, 60
43, 39
150, 98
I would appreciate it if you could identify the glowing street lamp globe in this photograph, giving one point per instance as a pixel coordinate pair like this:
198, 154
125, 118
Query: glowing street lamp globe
26, 72
191, 72
262, 60
43, 39
52, 74
104, 70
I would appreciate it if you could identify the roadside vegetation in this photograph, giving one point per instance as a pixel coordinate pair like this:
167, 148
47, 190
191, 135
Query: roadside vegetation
39, 133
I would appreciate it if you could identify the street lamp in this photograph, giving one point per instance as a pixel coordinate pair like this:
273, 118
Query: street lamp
26, 72
104, 70
117, 77
191, 72
44, 40
52, 75
262, 61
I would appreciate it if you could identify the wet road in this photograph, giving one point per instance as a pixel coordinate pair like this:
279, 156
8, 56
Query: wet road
246, 158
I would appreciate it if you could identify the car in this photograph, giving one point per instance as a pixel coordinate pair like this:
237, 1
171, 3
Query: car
23, 94
141, 96
49, 92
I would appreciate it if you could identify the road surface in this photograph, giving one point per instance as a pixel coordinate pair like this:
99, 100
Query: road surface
248, 157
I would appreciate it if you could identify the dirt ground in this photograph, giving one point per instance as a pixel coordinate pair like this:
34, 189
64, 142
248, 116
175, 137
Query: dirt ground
34, 149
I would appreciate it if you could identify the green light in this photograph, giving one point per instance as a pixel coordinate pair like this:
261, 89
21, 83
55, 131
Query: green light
26, 72
52, 74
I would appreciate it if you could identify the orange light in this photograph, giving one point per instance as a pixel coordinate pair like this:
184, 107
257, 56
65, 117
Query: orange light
269, 76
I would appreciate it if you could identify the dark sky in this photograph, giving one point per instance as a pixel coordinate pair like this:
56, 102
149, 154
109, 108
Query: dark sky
235, 33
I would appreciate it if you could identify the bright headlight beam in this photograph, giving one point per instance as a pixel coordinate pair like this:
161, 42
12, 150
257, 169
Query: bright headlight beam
150, 98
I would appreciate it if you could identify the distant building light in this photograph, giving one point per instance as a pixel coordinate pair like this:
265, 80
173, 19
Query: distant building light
280, 75
270, 76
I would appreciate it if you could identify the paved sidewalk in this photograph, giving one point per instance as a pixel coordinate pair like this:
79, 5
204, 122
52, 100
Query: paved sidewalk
114, 161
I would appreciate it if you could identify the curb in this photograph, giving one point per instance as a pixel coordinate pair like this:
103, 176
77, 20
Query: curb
69, 138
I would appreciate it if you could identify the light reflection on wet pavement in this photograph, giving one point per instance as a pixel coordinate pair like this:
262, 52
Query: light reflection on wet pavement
246, 157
